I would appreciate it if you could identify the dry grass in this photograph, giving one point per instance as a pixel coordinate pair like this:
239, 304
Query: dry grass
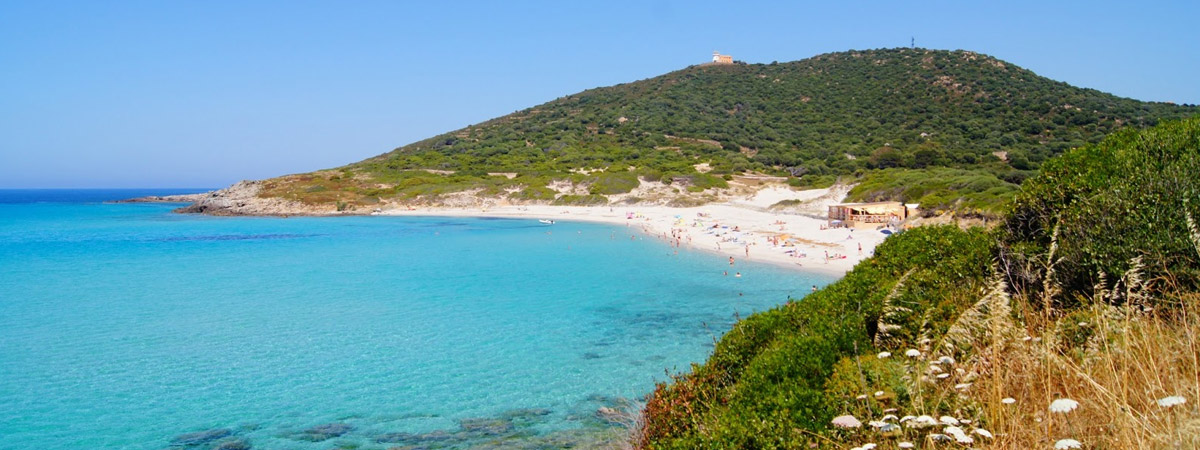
1128, 361
1115, 361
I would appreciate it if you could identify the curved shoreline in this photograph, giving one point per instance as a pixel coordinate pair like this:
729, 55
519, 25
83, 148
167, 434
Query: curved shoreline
739, 228
686, 228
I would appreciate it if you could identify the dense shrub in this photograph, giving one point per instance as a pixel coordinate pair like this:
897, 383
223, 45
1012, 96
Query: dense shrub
765, 384
580, 200
610, 183
1128, 196
937, 189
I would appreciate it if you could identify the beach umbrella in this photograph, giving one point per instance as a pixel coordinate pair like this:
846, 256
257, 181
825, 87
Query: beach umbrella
886, 231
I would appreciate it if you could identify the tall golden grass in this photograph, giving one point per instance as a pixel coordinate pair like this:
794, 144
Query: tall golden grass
1130, 345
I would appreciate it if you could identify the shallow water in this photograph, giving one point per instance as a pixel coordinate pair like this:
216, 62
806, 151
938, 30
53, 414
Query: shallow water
125, 326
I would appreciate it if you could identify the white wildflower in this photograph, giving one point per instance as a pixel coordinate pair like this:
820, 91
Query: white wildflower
846, 421
879, 393
861, 397
869, 446
889, 417
1063, 405
942, 376
883, 355
984, 433
947, 420
1064, 444
1167, 402
946, 360
912, 353
1008, 400
905, 445
961, 386
922, 422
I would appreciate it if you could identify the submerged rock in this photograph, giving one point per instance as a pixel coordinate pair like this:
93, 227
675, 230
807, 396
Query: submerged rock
201, 437
525, 413
324, 432
438, 436
486, 426
236, 444
610, 415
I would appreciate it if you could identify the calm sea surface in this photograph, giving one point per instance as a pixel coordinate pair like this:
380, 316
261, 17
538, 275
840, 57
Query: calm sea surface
127, 326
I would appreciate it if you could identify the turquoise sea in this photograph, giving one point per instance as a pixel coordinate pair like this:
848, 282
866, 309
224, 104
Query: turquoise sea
127, 326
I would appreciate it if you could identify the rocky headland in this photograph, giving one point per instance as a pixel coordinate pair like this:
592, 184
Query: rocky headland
242, 199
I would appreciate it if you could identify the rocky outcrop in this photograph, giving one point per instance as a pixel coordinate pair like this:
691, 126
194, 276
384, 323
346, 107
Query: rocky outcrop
242, 199
181, 198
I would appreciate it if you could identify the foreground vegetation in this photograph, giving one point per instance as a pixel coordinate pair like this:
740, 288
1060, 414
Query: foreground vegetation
1077, 320
849, 114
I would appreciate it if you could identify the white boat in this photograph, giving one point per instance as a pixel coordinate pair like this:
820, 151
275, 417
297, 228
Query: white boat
547, 222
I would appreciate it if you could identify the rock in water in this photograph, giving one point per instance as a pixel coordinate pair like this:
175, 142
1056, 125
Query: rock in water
610, 415
324, 432
527, 413
236, 444
201, 437
486, 426
419, 440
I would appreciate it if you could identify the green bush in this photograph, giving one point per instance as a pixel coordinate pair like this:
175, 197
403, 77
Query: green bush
534, 193
767, 382
610, 183
937, 189
580, 200
1127, 197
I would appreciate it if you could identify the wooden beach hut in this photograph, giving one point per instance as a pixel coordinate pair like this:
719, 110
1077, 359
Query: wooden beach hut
851, 214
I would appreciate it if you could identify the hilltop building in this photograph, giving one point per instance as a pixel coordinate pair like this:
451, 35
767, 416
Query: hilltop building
718, 58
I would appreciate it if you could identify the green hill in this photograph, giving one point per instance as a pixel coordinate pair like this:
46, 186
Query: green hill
838, 114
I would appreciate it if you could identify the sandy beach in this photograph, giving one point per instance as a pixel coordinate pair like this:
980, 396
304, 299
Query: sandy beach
741, 229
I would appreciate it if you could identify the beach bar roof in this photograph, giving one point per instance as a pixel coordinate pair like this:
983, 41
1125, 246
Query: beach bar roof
874, 212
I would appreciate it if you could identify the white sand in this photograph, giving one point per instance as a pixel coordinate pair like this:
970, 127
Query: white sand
693, 228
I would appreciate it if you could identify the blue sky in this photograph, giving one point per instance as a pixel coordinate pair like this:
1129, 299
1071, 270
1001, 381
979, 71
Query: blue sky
205, 93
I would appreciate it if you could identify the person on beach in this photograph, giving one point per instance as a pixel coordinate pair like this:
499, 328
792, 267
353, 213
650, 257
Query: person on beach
860, 249
738, 275
814, 288
731, 260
